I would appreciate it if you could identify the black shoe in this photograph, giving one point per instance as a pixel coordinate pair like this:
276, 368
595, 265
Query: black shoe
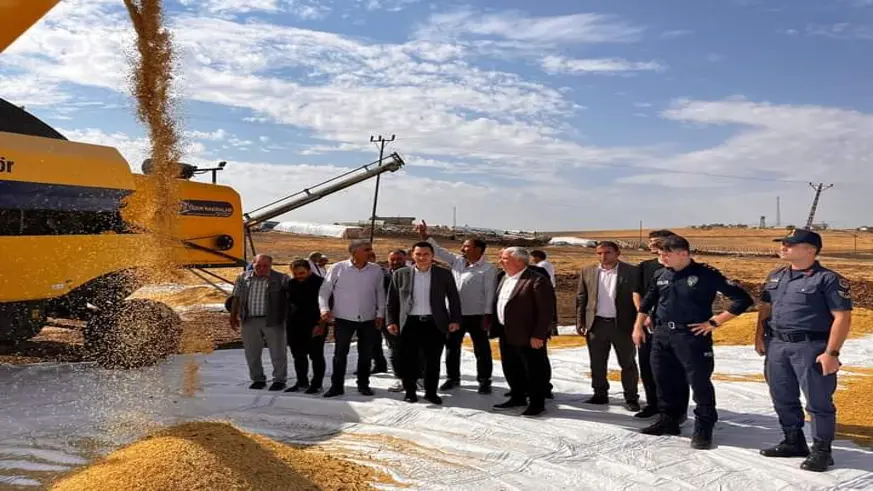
365, 391
411, 398
702, 438
534, 410
664, 426
257, 385
647, 412
433, 399
276, 386
794, 445
485, 387
450, 384
507, 394
632, 406
549, 394
297, 387
313, 390
334, 391
598, 399
819, 459
512, 403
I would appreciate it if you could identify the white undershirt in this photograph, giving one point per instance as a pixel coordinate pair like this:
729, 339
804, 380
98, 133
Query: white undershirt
421, 292
506, 289
606, 281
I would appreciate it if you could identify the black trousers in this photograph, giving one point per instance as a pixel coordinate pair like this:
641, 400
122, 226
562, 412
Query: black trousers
679, 359
305, 347
343, 331
646, 375
525, 372
481, 348
380, 363
603, 337
502, 346
421, 337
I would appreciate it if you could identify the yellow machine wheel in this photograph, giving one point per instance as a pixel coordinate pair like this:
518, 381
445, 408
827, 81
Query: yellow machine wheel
135, 333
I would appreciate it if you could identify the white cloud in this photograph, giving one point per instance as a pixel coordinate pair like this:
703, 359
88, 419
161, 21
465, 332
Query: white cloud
519, 26
842, 30
387, 5
557, 64
677, 33
234, 6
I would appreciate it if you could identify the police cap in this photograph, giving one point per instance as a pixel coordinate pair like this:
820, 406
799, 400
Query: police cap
801, 236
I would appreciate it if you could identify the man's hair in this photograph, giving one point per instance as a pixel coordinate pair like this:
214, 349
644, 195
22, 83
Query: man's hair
398, 251
519, 253
608, 243
300, 263
265, 256
538, 254
674, 243
315, 256
478, 244
423, 245
660, 234
357, 244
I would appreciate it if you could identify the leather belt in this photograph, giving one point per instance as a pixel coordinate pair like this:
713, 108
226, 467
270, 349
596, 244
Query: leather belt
604, 319
798, 337
672, 325
420, 318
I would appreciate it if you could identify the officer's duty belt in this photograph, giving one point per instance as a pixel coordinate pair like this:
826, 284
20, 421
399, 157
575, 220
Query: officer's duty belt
798, 337
672, 325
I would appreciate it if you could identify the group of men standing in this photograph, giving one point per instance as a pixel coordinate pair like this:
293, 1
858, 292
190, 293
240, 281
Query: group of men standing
661, 308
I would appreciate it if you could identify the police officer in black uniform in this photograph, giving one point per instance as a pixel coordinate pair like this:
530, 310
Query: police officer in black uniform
682, 294
802, 324
647, 270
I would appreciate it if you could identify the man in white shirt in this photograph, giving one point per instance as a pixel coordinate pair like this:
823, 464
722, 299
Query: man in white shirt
476, 280
357, 287
423, 307
605, 315
315, 263
539, 259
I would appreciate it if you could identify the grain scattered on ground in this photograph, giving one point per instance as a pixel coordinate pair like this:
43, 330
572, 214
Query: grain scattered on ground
219, 456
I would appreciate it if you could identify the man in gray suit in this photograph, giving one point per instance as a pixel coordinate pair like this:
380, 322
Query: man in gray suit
418, 313
605, 315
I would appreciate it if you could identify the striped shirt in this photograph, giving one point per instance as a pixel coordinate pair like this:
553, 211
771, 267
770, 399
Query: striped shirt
257, 300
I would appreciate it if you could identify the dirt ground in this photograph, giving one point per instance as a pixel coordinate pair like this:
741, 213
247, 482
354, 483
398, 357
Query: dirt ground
59, 344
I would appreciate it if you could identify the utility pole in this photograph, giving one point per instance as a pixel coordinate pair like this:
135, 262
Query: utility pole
381, 142
763, 222
641, 235
454, 218
818, 189
778, 213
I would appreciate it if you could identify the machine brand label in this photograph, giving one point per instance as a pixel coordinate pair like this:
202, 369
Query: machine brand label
6, 164
201, 208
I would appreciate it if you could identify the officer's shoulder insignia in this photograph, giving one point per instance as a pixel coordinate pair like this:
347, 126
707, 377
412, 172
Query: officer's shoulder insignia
710, 267
845, 294
844, 283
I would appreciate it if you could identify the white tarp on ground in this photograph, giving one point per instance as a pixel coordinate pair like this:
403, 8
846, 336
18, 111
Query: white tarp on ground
576, 241
318, 229
48, 408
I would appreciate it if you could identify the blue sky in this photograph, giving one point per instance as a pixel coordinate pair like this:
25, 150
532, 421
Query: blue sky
550, 116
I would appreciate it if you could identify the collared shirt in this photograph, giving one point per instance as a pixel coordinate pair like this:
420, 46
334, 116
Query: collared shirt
316, 269
358, 293
421, 292
506, 289
549, 268
804, 301
686, 296
476, 282
257, 300
606, 281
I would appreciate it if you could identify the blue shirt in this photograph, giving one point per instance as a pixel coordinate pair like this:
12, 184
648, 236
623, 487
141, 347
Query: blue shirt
686, 296
802, 301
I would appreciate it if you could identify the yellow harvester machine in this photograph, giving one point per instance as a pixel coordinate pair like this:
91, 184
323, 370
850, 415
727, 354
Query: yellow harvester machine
69, 239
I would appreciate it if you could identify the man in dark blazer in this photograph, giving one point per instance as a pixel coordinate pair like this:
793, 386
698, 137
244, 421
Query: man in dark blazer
605, 315
524, 311
417, 312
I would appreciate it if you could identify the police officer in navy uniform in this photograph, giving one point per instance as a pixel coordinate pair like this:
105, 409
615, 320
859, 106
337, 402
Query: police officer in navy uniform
682, 294
802, 324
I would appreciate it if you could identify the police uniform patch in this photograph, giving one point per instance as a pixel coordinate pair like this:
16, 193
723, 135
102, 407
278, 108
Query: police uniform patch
844, 283
845, 294
692, 280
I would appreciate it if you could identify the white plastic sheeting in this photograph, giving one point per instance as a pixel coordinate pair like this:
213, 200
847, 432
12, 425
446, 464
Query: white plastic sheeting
318, 229
463, 444
576, 241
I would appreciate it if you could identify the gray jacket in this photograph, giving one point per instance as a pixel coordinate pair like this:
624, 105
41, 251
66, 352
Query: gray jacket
277, 296
442, 288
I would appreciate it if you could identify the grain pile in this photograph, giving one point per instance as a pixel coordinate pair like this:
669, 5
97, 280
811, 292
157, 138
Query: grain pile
853, 399
740, 331
218, 456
